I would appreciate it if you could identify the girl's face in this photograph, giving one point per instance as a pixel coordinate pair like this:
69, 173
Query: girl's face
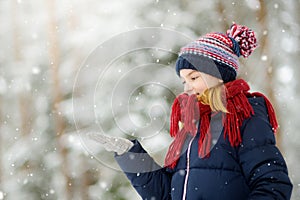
196, 82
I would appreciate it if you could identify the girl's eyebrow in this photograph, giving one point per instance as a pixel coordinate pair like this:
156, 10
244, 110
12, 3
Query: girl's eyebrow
189, 74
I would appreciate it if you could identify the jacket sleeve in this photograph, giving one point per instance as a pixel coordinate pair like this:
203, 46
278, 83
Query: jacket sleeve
263, 165
149, 179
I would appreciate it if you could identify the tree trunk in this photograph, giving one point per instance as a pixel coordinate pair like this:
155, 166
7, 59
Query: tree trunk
59, 123
83, 183
224, 22
265, 50
25, 112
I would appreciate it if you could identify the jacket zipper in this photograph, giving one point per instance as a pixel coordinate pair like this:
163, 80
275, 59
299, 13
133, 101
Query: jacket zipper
187, 169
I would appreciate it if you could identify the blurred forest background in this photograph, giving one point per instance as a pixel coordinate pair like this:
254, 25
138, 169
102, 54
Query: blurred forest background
46, 44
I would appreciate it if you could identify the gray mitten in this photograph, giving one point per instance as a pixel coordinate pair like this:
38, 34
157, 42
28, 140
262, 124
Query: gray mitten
110, 143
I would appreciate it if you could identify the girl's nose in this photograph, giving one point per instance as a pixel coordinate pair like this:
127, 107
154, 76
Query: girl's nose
188, 88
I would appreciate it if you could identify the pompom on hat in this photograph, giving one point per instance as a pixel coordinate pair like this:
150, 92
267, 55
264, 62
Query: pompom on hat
217, 54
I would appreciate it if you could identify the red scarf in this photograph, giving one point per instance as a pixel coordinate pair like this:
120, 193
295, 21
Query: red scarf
187, 110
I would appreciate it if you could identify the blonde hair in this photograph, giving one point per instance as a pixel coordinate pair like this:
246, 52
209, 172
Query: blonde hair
215, 98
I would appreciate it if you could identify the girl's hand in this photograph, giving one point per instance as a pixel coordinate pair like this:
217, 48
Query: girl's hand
110, 143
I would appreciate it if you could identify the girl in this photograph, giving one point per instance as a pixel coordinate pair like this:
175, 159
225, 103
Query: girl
224, 145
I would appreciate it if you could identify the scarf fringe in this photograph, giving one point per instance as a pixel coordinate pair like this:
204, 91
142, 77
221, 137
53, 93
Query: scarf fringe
205, 139
175, 118
239, 109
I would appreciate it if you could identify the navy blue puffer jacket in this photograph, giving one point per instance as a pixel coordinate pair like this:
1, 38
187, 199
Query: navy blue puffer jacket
253, 170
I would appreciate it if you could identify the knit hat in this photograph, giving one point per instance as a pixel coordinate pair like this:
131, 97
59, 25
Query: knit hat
217, 54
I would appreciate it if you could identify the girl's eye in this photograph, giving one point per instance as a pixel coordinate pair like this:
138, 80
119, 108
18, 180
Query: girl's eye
183, 82
194, 78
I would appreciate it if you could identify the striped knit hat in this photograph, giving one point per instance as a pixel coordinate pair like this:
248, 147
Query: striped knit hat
217, 53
